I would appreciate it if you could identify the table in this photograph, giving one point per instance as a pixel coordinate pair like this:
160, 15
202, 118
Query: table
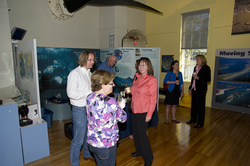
125, 129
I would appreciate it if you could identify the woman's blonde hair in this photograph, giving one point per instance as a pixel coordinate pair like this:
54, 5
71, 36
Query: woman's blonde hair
83, 58
99, 78
203, 59
148, 63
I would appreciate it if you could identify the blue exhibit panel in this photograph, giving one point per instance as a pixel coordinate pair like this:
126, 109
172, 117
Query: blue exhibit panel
35, 142
10, 140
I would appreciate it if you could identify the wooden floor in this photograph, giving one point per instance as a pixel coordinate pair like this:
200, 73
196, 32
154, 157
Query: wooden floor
224, 141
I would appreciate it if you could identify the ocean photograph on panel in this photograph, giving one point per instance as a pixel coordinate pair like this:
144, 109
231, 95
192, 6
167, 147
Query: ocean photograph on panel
234, 69
54, 66
237, 94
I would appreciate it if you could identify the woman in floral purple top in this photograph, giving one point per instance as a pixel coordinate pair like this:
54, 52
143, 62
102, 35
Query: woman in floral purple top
103, 114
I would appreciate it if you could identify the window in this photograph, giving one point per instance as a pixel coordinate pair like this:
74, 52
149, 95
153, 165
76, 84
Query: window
194, 39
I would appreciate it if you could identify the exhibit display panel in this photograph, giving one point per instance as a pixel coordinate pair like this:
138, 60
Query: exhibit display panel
11, 146
231, 89
35, 141
27, 70
124, 68
54, 66
127, 56
34, 136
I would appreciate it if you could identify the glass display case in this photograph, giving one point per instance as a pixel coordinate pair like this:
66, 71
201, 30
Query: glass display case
20, 96
23, 98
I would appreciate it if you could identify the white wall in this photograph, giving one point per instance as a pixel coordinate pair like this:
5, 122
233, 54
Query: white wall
80, 31
118, 21
90, 27
136, 19
113, 21
6, 58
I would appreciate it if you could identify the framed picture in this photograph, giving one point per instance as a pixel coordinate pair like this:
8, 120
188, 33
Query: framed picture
241, 17
166, 62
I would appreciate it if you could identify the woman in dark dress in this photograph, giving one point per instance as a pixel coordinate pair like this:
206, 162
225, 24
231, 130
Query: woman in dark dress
175, 90
198, 89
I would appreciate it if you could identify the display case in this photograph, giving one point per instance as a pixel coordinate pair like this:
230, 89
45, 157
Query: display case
23, 98
27, 143
20, 96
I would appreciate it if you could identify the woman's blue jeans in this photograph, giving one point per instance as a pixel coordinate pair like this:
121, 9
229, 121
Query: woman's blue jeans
104, 156
79, 121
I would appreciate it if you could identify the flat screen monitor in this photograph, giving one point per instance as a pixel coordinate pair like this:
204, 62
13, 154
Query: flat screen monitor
17, 33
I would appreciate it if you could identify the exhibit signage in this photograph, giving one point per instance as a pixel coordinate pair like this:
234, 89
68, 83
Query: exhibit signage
232, 80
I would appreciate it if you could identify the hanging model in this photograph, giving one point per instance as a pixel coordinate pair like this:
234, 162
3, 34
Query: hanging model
74, 5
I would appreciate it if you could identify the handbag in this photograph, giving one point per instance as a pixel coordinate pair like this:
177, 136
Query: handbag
167, 85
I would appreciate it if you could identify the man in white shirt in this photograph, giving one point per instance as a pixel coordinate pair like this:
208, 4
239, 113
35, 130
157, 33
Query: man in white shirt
78, 88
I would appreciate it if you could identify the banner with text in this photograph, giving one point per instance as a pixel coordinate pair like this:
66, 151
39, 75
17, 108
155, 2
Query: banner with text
232, 80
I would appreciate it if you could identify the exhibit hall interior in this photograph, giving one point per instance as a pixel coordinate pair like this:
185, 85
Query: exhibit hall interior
41, 42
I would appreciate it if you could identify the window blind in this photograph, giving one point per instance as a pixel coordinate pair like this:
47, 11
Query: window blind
195, 29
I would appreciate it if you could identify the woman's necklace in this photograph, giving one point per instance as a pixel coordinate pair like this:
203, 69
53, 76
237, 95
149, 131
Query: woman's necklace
141, 77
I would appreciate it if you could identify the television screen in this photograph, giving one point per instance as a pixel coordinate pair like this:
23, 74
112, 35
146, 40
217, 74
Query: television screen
17, 33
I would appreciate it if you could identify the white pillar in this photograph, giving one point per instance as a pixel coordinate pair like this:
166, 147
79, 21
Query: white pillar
113, 21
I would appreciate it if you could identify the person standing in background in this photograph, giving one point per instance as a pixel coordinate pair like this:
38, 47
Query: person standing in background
175, 90
108, 64
78, 88
144, 98
198, 90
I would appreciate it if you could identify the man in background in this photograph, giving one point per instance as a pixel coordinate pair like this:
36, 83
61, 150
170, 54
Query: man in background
108, 64
78, 88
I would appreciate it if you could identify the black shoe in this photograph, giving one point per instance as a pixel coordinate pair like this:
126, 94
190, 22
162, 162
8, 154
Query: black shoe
134, 154
197, 126
147, 164
189, 122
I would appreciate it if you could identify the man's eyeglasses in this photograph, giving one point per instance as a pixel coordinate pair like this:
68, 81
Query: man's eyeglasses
112, 84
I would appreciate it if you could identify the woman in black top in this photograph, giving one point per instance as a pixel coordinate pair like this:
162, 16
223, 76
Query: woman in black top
198, 89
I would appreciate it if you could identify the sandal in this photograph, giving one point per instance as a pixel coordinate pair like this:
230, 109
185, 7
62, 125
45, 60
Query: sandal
167, 122
176, 120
